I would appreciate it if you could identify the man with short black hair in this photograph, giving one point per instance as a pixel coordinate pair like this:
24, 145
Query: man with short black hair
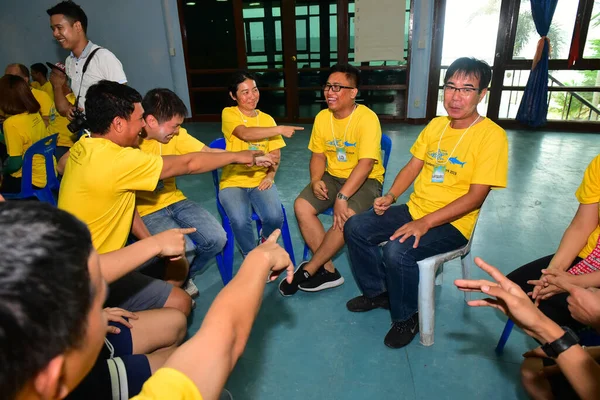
102, 173
346, 173
47, 109
456, 161
69, 27
166, 207
39, 76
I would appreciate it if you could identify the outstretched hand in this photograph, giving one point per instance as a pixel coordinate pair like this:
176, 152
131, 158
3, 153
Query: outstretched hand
288, 131
279, 259
507, 297
172, 242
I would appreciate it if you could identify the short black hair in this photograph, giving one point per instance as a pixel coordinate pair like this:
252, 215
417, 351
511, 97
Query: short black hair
352, 73
72, 12
470, 66
106, 100
41, 68
45, 289
239, 77
163, 104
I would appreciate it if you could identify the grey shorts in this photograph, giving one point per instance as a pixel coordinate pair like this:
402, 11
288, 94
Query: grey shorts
141, 289
360, 201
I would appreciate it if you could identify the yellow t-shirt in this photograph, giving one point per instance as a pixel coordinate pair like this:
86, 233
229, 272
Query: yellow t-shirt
35, 85
239, 175
168, 383
66, 138
99, 185
166, 192
20, 132
353, 138
589, 193
481, 157
47, 87
46, 103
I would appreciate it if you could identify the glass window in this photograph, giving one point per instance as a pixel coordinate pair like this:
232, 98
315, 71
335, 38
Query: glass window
278, 37
560, 33
592, 43
301, 35
573, 106
277, 11
257, 37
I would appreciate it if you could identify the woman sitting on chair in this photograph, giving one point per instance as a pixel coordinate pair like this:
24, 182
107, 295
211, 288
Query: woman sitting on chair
244, 188
23, 127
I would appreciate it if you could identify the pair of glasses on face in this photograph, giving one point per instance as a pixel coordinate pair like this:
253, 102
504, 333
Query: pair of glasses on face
335, 88
463, 91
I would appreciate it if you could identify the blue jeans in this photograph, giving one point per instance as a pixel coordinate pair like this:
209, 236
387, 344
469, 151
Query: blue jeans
394, 267
238, 204
200, 246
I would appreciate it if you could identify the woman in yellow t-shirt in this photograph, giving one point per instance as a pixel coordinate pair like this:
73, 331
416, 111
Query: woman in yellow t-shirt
22, 128
244, 188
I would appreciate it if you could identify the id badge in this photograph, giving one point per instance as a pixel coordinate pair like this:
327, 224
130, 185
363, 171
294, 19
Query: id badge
341, 154
253, 146
438, 174
159, 186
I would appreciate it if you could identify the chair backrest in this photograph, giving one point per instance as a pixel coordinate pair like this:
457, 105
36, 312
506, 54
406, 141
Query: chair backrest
386, 149
45, 147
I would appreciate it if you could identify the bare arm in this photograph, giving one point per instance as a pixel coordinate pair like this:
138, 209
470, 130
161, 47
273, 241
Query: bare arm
138, 227
575, 237
58, 81
249, 134
358, 176
209, 357
406, 176
318, 161
203, 161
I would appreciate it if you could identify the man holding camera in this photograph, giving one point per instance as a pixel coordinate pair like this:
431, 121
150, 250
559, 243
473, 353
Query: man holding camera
87, 64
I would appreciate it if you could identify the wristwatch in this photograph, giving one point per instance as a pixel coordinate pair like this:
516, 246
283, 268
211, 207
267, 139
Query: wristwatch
341, 196
561, 344
394, 198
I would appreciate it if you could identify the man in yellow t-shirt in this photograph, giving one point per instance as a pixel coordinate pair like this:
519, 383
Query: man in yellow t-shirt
101, 176
71, 340
66, 138
456, 161
346, 173
166, 207
39, 75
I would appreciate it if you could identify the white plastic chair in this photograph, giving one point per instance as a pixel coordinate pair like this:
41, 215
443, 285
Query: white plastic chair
429, 278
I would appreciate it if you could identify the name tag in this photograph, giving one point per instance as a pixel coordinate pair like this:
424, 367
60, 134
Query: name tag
438, 174
341, 154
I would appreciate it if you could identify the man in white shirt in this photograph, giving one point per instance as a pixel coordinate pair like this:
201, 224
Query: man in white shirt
69, 26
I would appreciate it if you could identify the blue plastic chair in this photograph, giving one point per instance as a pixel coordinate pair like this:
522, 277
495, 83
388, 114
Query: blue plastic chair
225, 259
46, 148
386, 148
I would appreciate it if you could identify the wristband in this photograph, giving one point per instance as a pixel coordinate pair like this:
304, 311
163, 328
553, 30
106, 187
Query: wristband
561, 344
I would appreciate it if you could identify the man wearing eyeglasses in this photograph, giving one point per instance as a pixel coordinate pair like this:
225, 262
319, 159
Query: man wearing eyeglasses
455, 162
346, 173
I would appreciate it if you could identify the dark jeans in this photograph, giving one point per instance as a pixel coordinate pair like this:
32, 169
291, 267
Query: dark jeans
394, 267
556, 307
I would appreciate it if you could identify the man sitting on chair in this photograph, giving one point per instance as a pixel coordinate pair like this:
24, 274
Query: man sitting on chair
456, 160
346, 173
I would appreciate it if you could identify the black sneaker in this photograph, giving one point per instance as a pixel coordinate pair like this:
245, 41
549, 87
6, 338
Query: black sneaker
300, 275
363, 303
322, 280
402, 333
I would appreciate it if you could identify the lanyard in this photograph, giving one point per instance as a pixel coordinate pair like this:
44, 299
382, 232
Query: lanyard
457, 143
345, 132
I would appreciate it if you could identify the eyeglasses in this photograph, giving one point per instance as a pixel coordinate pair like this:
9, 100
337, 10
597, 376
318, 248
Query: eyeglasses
335, 88
462, 91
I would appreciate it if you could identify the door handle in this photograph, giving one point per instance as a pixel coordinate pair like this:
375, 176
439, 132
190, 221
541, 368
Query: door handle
294, 58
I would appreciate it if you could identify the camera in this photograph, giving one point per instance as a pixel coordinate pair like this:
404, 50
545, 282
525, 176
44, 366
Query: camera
78, 123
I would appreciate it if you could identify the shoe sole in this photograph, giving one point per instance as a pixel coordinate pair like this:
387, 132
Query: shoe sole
387, 307
326, 285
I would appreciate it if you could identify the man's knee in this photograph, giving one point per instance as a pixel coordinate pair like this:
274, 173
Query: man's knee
177, 324
179, 300
396, 253
303, 209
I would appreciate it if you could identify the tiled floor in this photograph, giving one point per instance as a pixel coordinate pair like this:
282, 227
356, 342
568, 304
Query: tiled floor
309, 347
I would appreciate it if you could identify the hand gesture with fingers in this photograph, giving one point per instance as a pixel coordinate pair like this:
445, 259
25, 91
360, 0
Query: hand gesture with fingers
279, 259
172, 242
264, 161
320, 190
507, 297
288, 131
381, 204
584, 304
116, 314
417, 228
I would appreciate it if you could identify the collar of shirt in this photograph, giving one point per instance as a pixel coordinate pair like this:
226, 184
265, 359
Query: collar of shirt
86, 51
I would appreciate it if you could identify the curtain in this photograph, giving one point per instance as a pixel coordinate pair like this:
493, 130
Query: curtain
534, 104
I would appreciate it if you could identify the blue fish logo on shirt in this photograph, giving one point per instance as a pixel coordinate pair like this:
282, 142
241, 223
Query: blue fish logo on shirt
348, 144
456, 161
437, 155
331, 143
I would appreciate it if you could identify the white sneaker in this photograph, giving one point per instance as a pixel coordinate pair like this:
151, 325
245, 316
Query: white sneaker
191, 288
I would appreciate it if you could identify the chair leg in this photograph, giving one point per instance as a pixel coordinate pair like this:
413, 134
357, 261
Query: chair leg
439, 276
504, 337
287, 237
466, 262
426, 302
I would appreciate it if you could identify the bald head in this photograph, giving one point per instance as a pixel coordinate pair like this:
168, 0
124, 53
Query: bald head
18, 70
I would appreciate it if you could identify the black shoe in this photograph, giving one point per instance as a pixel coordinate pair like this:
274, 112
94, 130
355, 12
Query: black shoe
363, 303
322, 280
300, 275
402, 333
